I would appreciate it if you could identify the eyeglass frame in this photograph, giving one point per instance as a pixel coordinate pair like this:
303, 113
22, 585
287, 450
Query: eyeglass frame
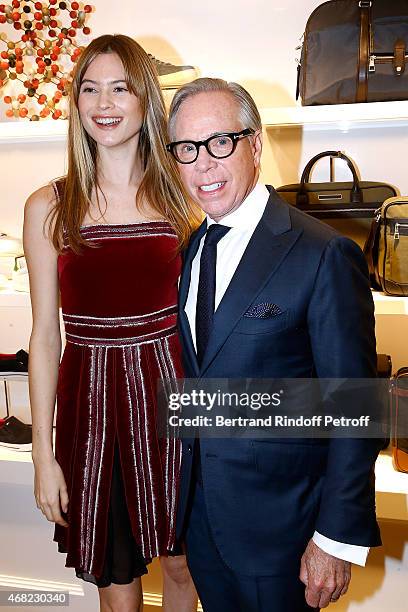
235, 137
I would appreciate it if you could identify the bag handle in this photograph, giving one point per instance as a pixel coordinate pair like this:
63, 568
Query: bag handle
371, 252
302, 197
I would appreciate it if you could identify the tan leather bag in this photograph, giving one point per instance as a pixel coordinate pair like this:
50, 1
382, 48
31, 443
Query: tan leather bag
386, 249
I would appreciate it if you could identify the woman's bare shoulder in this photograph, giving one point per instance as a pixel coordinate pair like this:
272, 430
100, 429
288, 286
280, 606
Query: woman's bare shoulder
40, 203
42, 198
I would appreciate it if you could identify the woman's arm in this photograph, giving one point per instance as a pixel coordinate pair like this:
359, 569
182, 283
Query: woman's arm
45, 351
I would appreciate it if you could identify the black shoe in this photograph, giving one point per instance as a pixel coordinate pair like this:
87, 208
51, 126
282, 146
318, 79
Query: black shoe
14, 364
16, 435
172, 77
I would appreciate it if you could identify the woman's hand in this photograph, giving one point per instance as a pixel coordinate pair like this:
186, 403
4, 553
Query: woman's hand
50, 491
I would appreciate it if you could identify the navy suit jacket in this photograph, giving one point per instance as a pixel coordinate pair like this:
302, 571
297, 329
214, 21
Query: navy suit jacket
265, 498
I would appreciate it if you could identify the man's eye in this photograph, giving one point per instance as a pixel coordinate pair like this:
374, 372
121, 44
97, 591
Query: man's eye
222, 141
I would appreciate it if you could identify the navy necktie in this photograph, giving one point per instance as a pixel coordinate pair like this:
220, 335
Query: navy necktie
206, 287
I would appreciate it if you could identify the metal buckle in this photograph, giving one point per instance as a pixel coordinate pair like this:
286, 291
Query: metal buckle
365, 4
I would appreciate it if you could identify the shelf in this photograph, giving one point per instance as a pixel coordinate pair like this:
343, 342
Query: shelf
10, 298
13, 455
390, 305
14, 377
51, 130
343, 117
384, 304
388, 480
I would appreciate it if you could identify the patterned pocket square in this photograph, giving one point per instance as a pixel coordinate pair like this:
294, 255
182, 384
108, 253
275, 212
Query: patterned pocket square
263, 311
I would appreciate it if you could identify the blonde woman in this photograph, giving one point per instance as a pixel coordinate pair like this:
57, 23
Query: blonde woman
107, 238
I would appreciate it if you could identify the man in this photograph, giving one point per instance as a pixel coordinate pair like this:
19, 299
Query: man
267, 292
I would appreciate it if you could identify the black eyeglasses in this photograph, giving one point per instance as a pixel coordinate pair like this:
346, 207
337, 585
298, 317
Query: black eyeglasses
218, 146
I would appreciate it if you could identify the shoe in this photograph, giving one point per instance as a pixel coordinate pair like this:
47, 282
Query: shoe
14, 363
2, 421
171, 76
16, 435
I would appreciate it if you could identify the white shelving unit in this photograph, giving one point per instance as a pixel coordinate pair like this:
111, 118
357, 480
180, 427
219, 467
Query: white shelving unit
389, 480
384, 304
48, 130
390, 305
343, 117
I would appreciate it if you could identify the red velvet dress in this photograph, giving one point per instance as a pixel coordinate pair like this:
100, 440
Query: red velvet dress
119, 308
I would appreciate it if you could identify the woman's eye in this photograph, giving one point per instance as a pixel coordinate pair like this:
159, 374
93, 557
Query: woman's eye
120, 89
88, 89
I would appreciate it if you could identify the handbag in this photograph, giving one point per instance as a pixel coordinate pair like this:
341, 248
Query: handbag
399, 399
355, 52
386, 248
348, 207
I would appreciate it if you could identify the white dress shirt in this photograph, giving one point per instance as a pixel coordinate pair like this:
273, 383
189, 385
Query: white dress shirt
230, 250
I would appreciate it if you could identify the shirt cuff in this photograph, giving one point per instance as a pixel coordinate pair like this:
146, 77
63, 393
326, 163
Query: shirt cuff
347, 552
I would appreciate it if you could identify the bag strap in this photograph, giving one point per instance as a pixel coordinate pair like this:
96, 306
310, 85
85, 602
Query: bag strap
302, 197
371, 252
364, 50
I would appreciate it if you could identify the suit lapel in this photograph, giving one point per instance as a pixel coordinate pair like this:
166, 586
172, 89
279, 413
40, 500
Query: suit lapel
190, 353
271, 242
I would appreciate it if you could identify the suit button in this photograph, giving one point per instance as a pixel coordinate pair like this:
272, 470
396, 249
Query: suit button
190, 449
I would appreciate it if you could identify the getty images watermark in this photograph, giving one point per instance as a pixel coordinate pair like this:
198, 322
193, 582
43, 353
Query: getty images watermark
255, 401
319, 408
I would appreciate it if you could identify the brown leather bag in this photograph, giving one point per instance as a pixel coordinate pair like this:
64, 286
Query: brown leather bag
399, 400
355, 51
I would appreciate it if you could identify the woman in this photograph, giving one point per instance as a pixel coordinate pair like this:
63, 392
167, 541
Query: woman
111, 488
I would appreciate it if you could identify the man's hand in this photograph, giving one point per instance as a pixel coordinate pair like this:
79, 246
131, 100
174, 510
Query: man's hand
326, 577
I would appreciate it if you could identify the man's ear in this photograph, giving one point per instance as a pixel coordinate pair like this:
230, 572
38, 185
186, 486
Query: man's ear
257, 142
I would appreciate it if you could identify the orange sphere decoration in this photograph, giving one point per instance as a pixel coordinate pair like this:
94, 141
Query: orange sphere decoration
42, 53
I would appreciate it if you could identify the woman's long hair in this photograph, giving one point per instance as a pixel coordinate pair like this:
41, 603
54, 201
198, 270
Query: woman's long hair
161, 186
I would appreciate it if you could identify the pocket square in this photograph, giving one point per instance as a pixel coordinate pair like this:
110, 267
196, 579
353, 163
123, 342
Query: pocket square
263, 311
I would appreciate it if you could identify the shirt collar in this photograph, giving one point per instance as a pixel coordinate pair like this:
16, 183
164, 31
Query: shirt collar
249, 213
